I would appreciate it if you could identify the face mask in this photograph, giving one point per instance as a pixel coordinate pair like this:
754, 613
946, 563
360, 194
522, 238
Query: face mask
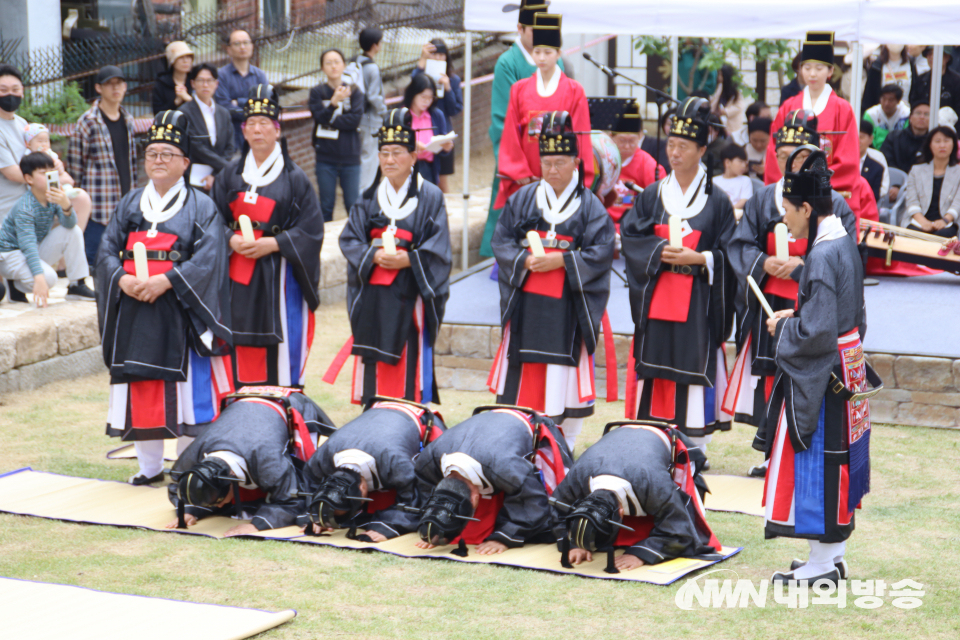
10, 103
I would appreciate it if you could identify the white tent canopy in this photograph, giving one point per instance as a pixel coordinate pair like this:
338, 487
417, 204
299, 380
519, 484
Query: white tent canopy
875, 21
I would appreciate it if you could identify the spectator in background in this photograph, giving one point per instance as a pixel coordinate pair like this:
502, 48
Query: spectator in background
756, 110
29, 244
337, 109
949, 82
933, 187
734, 180
758, 138
102, 157
420, 98
890, 114
727, 103
795, 86
37, 138
211, 129
902, 147
449, 99
893, 66
372, 86
172, 87
873, 166
236, 78
12, 147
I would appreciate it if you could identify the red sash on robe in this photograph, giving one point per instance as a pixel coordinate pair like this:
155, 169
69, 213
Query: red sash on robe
241, 267
487, 512
381, 500
671, 294
778, 286
385, 277
160, 242
548, 283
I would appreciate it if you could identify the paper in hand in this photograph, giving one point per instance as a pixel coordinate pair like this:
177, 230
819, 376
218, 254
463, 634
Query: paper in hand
436, 142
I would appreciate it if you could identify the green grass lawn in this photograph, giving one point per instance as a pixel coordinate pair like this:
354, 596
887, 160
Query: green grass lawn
909, 528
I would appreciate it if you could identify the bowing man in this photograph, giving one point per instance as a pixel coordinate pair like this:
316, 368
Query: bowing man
256, 446
274, 277
675, 244
817, 428
547, 91
365, 469
753, 252
164, 313
490, 477
397, 246
551, 305
631, 476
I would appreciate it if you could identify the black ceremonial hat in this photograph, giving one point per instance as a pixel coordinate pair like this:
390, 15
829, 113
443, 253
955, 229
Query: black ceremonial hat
262, 100
397, 128
445, 515
590, 522
692, 121
799, 127
615, 115
340, 491
171, 127
205, 484
817, 47
557, 137
546, 30
529, 8
812, 180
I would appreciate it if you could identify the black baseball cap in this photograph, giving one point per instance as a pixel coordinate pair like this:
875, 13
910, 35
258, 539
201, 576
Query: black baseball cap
108, 73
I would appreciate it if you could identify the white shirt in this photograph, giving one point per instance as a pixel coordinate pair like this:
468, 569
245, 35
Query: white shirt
879, 157
739, 188
208, 118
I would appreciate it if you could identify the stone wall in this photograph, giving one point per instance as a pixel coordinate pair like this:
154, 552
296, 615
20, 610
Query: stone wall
917, 391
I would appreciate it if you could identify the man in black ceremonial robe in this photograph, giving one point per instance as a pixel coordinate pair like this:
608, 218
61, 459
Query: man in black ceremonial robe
364, 472
275, 276
397, 246
261, 440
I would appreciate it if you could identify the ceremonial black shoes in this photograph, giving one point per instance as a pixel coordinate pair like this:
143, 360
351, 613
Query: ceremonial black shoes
142, 479
759, 471
786, 577
841, 567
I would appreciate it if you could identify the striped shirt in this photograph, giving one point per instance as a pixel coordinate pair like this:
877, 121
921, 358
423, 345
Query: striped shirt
27, 224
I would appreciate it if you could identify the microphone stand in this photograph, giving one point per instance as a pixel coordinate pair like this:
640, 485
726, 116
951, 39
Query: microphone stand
658, 96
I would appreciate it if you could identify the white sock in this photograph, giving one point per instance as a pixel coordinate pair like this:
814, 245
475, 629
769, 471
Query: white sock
702, 442
150, 457
823, 556
182, 443
571, 428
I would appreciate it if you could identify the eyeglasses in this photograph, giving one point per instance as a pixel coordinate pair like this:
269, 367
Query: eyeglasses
204, 80
386, 155
557, 165
242, 43
163, 156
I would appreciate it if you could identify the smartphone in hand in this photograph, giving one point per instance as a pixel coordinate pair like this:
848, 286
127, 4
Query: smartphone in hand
53, 179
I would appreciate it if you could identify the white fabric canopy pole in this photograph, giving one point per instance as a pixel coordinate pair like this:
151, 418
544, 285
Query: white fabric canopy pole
674, 66
936, 80
857, 98
467, 111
